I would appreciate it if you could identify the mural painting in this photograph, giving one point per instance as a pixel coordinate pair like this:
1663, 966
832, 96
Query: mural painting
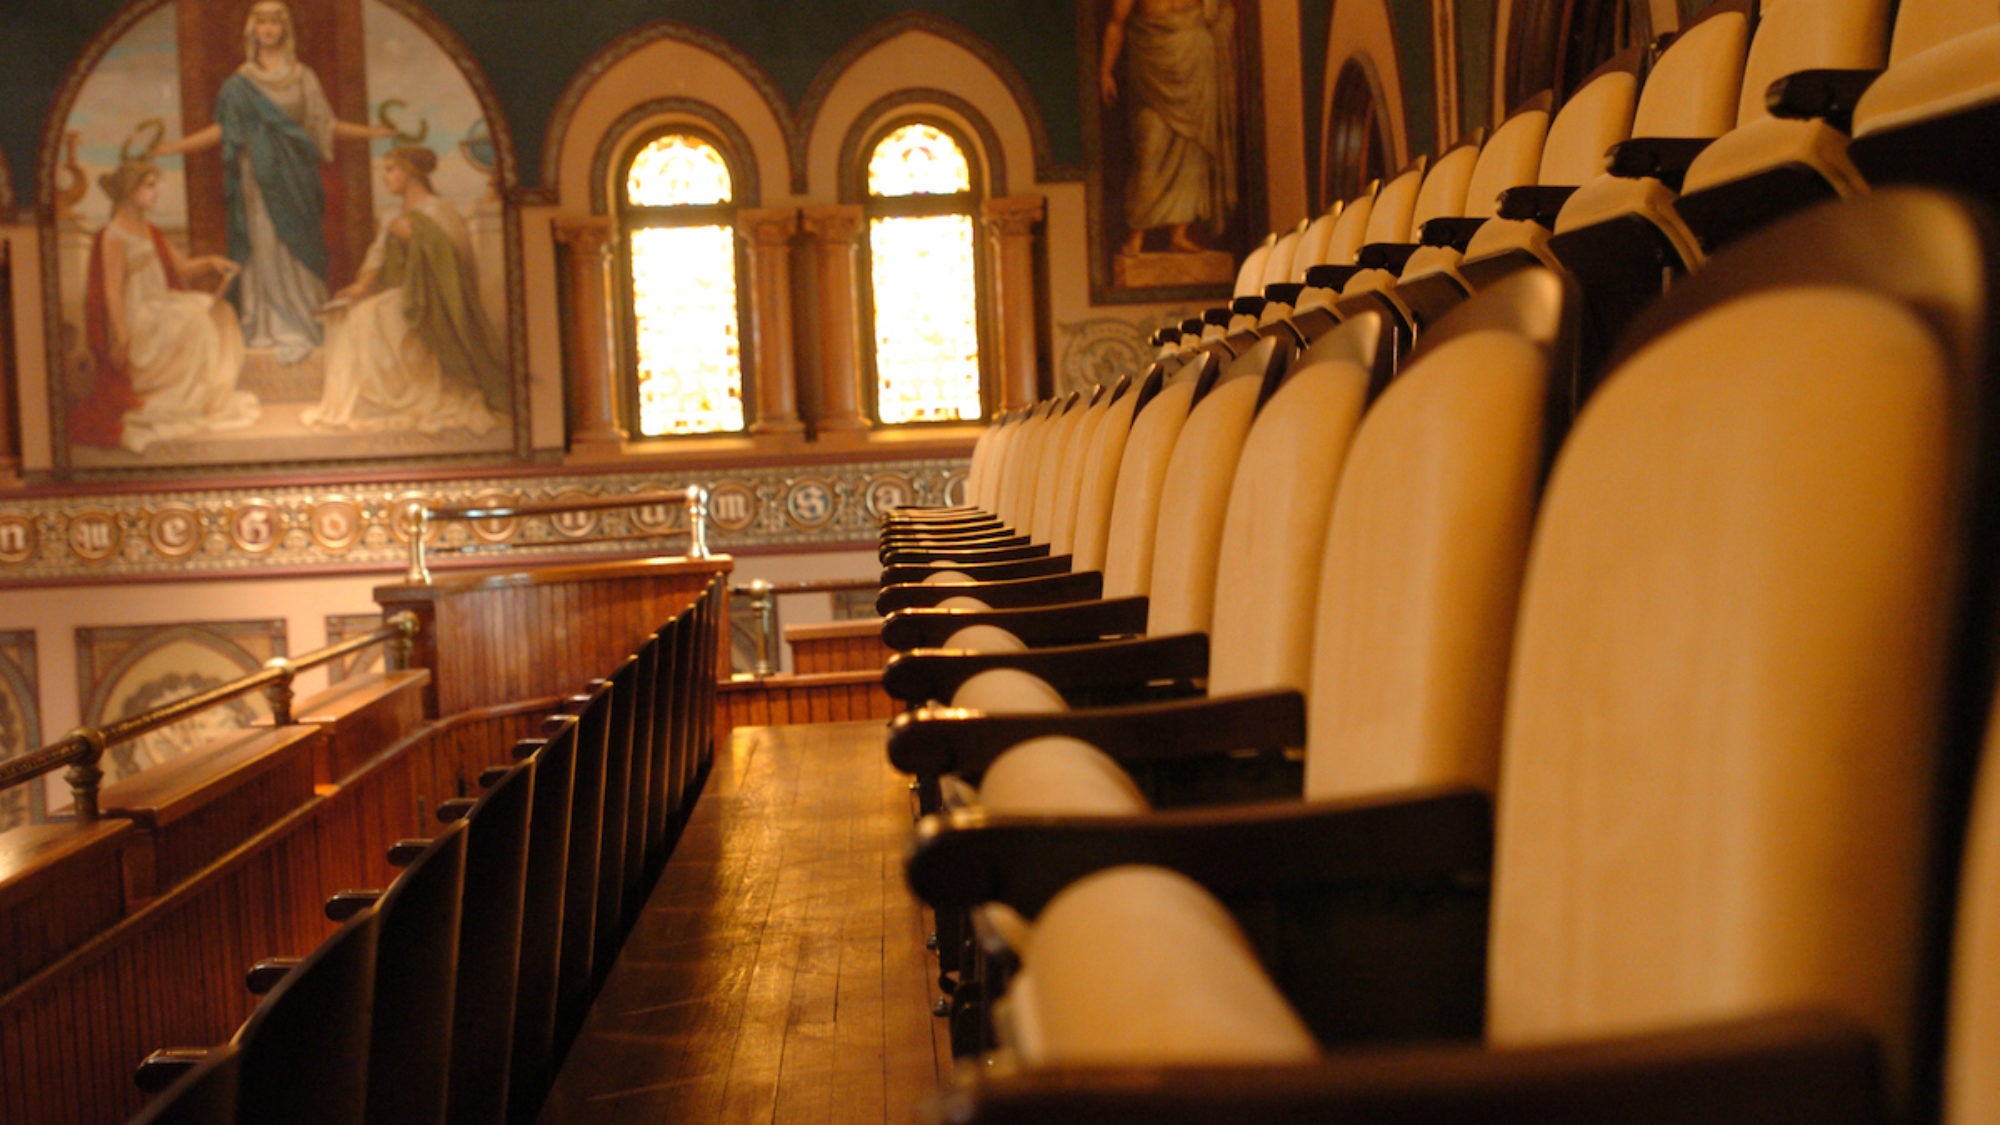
20, 725
1170, 127
304, 259
125, 670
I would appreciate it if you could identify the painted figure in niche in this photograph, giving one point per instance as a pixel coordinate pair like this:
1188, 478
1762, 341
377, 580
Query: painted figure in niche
408, 345
1180, 98
276, 127
167, 356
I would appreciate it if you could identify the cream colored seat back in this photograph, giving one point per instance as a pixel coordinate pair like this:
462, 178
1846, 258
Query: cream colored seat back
1972, 1039
1250, 276
1135, 503
982, 457
1312, 248
1017, 488
1724, 718
1048, 476
1069, 476
985, 495
1098, 485
1937, 100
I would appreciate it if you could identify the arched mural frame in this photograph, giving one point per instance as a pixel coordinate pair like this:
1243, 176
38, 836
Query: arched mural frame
50, 154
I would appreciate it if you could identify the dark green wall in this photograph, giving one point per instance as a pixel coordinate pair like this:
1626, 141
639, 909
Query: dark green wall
1410, 22
530, 49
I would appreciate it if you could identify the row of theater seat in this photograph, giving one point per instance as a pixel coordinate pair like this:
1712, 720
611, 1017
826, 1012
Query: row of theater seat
1742, 709
453, 995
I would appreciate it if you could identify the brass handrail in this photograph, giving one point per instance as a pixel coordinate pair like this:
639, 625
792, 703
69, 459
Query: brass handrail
763, 598
83, 748
422, 515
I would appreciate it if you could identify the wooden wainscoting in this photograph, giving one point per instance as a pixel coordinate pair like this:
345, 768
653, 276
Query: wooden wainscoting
831, 697
171, 974
837, 646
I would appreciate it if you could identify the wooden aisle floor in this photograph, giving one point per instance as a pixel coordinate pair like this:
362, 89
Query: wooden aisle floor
778, 972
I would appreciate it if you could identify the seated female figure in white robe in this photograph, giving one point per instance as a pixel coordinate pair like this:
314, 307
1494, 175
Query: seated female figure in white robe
167, 356
408, 346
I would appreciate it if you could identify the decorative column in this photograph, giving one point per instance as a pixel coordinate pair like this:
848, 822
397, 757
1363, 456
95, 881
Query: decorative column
769, 232
10, 378
1010, 233
593, 377
836, 233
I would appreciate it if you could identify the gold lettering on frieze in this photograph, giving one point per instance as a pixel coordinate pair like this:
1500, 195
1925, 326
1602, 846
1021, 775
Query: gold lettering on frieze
254, 526
573, 525
174, 531
732, 507
95, 535
335, 524
18, 540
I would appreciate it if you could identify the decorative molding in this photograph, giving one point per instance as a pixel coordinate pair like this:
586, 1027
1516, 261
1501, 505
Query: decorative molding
637, 40
1014, 216
833, 224
1001, 66
746, 181
233, 533
882, 112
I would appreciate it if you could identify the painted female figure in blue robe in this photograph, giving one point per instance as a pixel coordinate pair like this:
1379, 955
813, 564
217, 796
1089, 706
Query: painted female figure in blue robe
275, 128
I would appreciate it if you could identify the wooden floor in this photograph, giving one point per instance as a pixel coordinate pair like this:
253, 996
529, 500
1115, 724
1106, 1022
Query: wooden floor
778, 972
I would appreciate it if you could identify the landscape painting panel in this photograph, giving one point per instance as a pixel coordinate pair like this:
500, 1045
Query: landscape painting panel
278, 238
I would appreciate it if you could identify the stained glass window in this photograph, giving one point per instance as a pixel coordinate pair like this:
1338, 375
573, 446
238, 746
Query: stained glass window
682, 248
923, 272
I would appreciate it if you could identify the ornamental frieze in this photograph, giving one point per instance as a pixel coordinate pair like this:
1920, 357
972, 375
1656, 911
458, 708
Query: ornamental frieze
224, 532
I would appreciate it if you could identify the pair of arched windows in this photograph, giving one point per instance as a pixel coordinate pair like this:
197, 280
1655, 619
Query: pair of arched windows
677, 212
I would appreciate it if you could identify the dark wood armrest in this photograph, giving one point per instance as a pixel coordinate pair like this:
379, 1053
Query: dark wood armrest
1436, 837
910, 556
342, 905
1283, 292
402, 853
553, 724
525, 748
454, 809
1799, 1067
265, 975
1389, 256
493, 775
893, 543
1330, 276
1053, 589
165, 1067
922, 675
1453, 232
1665, 159
1535, 203
935, 741
1829, 95
896, 575
1074, 623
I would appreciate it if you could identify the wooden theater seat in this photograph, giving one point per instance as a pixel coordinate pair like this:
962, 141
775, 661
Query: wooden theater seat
1753, 668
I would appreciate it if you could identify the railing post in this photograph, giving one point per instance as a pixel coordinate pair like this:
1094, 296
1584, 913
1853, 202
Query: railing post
84, 775
405, 643
765, 602
280, 691
697, 513
420, 518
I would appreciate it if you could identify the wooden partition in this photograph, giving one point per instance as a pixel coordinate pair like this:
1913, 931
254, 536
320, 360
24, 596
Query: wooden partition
172, 973
492, 636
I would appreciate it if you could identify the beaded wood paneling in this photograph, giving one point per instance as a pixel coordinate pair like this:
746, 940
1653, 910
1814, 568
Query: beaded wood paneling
544, 632
781, 700
172, 974
843, 646
59, 884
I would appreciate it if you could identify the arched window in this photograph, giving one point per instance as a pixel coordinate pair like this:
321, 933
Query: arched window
923, 274
1355, 150
677, 206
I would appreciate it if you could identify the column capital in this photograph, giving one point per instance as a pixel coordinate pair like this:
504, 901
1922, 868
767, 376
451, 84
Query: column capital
768, 226
834, 223
590, 234
1013, 215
